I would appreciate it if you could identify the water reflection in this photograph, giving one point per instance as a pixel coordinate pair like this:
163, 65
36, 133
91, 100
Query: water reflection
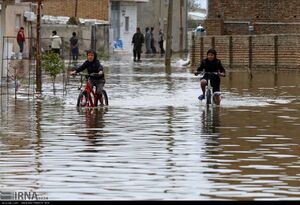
95, 123
211, 120
252, 159
38, 142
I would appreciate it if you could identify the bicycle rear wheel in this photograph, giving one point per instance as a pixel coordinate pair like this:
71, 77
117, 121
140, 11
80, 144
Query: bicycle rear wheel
105, 97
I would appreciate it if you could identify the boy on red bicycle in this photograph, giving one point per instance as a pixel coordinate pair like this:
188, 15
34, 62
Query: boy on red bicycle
93, 65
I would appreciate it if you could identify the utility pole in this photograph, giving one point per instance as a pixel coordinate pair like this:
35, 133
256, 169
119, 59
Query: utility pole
2, 33
169, 35
181, 26
38, 71
76, 8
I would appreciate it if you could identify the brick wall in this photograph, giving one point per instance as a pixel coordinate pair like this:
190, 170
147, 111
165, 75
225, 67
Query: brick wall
250, 51
91, 9
268, 16
214, 26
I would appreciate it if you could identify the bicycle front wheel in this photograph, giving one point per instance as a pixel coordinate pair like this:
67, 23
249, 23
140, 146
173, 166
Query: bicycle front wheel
82, 100
208, 96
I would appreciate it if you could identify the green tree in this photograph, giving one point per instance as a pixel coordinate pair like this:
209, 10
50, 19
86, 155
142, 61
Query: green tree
52, 64
73, 21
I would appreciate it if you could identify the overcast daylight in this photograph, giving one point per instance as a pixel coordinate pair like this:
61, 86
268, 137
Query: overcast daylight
149, 100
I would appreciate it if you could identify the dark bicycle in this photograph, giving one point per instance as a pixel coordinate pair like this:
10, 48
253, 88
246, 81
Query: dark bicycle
209, 89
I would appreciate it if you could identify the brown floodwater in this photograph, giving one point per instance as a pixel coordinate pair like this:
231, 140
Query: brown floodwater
155, 140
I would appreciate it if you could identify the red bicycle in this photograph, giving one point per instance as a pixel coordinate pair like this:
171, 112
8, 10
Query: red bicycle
88, 96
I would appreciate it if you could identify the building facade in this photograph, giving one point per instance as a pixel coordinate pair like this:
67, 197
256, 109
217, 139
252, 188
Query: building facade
155, 14
121, 14
11, 19
123, 20
241, 17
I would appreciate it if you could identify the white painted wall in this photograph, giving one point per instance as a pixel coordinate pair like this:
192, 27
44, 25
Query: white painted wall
128, 9
12, 29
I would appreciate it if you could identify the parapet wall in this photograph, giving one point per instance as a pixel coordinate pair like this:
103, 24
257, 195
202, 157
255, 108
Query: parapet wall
250, 51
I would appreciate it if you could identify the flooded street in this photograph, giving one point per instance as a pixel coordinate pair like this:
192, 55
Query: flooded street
155, 140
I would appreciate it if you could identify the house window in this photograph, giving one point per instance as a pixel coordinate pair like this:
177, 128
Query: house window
127, 23
18, 21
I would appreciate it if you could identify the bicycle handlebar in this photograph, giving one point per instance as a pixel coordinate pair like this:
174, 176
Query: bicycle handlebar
89, 75
210, 73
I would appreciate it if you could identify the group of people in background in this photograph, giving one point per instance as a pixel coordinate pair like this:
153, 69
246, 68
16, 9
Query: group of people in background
138, 39
56, 43
149, 38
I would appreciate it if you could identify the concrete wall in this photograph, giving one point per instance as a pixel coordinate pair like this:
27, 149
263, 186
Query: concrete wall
84, 34
250, 51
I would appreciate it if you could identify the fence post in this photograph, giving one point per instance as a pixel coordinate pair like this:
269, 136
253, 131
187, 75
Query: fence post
250, 56
276, 53
201, 48
93, 37
1, 61
38, 72
193, 53
213, 42
230, 52
63, 48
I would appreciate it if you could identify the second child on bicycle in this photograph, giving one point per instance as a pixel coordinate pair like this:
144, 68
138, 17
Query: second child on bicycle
93, 65
211, 64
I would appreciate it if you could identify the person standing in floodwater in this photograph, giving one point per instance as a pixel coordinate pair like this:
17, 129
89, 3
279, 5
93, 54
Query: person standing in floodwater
152, 41
74, 46
161, 42
137, 41
55, 43
148, 41
21, 39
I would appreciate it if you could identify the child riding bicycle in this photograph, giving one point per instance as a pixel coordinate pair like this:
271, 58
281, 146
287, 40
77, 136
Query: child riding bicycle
211, 64
93, 65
